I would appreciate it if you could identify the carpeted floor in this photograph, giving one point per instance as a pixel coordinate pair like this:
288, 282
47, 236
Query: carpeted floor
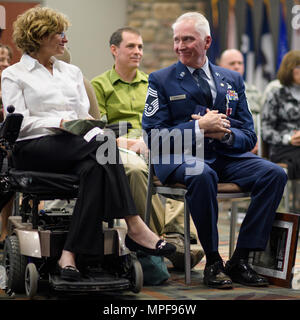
175, 289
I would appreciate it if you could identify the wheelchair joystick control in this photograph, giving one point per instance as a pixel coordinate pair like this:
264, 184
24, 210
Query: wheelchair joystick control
10, 128
10, 109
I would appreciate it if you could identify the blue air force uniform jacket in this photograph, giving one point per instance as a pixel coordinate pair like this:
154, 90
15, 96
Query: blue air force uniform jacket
173, 96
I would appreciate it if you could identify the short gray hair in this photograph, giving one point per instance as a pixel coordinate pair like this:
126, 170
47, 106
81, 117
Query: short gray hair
201, 23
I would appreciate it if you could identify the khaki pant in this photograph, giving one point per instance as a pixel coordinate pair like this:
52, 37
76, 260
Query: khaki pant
174, 218
163, 219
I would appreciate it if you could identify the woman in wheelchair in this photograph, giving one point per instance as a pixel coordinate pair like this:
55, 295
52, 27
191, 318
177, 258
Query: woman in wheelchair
49, 92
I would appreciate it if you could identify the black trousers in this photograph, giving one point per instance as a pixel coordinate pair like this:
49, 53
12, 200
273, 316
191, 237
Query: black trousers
104, 192
289, 155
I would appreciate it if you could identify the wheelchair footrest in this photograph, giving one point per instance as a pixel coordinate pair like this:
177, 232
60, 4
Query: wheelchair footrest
100, 282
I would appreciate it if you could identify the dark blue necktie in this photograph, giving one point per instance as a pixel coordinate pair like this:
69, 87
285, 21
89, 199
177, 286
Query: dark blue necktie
204, 86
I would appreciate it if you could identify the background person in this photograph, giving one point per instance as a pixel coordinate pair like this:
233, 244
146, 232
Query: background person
281, 115
49, 92
214, 97
270, 86
5, 60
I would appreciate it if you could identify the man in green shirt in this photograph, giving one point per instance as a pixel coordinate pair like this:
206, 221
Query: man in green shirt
121, 94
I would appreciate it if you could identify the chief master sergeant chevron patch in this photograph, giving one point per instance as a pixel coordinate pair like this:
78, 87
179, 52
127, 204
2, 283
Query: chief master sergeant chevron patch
152, 104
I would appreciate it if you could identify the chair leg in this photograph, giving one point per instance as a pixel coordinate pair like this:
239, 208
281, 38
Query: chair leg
187, 243
148, 207
286, 195
149, 195
294, 194
233, 219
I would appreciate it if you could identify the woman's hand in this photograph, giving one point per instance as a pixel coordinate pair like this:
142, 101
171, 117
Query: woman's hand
62, 121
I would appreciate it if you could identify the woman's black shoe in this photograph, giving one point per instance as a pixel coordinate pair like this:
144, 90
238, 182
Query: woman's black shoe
162, 247
69, 273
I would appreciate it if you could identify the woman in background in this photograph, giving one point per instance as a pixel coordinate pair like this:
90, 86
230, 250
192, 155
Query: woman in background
281, 116
5, 59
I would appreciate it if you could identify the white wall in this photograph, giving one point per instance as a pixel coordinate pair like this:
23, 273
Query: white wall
93, 21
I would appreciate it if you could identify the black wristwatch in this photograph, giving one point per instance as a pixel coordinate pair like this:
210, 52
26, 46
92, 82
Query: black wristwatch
226, 137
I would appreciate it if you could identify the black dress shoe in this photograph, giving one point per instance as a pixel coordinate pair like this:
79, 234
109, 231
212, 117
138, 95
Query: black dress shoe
163, 248
215, 277
241, 272
69, 273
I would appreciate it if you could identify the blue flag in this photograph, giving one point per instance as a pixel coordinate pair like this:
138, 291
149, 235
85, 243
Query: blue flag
214, 50
247, 47
283, 46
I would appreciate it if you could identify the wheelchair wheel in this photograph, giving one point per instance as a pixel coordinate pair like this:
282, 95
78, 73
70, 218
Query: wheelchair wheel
15, 265
137, 277
31, 280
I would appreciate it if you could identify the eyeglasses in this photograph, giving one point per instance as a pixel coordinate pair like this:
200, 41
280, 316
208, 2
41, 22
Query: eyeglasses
62, 34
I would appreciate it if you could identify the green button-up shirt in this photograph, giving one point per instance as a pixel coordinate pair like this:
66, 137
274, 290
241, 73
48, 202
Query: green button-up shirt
119, 100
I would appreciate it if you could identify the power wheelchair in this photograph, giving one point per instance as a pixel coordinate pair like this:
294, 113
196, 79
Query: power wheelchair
36, 237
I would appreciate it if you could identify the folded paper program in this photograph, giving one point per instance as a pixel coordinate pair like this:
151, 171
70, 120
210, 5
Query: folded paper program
84, 126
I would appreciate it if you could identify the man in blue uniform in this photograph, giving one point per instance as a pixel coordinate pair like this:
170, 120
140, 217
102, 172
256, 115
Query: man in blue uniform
196, 98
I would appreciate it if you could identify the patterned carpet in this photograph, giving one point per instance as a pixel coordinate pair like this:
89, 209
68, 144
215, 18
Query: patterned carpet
174, 289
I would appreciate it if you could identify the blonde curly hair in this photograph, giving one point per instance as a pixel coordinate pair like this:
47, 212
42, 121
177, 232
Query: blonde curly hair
34, 25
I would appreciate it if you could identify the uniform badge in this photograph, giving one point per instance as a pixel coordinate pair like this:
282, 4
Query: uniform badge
152, 104
228, 109
228, 112
179, 97
232, 95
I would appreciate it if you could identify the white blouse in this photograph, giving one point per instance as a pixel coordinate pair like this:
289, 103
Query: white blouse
44, 99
